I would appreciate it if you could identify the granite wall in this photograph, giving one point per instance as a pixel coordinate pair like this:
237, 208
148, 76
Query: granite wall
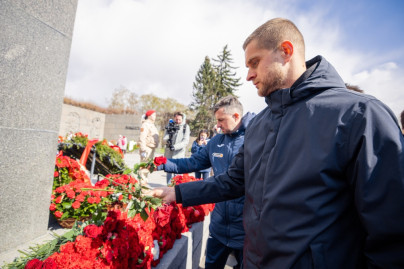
127, 125
76, 119
99, 125
34, 52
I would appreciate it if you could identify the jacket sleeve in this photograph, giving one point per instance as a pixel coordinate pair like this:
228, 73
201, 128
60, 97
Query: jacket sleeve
165, 137
185, 139
196, 162
376, 173
156, 138
195, 147
156, 141
226, 186
142, 139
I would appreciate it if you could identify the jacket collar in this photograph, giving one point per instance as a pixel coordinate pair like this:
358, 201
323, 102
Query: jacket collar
319, 76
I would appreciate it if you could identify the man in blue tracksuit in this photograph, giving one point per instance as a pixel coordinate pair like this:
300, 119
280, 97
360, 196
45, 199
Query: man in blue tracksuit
321, 168
226, 227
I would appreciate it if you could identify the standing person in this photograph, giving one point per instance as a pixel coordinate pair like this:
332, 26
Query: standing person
200, 142
226, 233
148, 142
121, 144
124, 144
322, 167
176, 138
149, 136
215, 130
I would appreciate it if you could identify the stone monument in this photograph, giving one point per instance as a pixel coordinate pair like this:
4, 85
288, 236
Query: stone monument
35, 44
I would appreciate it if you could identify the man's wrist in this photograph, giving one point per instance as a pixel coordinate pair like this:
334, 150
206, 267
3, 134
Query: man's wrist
160, 167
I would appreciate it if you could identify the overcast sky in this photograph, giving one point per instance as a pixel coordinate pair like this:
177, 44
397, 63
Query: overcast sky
157, 46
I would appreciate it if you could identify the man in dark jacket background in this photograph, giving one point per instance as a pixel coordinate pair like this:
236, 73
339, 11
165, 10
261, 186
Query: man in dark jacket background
321, 168
226, 233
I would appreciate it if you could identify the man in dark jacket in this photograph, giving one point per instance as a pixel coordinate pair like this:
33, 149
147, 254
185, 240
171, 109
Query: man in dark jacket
226, 227
322, 168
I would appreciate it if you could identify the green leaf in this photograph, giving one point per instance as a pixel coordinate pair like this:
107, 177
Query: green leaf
67, 205
127, 171
131, 213
69, 235
144, 215
65, 215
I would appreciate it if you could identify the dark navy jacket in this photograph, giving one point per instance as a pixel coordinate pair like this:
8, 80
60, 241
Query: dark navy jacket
322, 171
194, 149
227, 217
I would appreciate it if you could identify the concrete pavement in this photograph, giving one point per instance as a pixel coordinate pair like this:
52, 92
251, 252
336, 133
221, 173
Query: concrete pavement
155, 179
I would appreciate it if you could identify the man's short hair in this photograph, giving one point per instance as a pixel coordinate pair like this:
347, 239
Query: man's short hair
179, 114
230, 105
272, 33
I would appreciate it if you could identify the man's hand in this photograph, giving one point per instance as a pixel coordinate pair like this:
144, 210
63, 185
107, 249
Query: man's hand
167, 194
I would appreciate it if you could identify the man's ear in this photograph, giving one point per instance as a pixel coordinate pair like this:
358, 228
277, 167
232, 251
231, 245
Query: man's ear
287, 49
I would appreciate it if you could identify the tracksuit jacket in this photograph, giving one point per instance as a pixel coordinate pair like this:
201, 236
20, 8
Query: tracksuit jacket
322, 170
227, 217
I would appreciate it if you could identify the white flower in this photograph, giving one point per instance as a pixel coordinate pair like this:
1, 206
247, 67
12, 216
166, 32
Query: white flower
155, 250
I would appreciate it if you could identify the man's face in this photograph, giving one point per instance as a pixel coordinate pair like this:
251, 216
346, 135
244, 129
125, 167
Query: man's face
203, 136
265, 69
178, 119
226, 122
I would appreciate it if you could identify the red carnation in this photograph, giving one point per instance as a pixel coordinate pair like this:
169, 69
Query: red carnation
160, 160
90, 200
92, 231
49, 264
67, 248
71, 194
33, 264
58, 214
56, 174
162, 215
80, 198
60, 189
59, 199
76, 204
52, 207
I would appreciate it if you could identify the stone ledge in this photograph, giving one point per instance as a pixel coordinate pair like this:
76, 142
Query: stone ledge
187, 252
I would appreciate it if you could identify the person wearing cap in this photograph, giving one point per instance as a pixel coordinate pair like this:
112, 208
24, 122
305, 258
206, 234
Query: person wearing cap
149, 140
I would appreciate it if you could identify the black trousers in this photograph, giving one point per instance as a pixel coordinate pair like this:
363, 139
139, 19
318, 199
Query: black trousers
217, 254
